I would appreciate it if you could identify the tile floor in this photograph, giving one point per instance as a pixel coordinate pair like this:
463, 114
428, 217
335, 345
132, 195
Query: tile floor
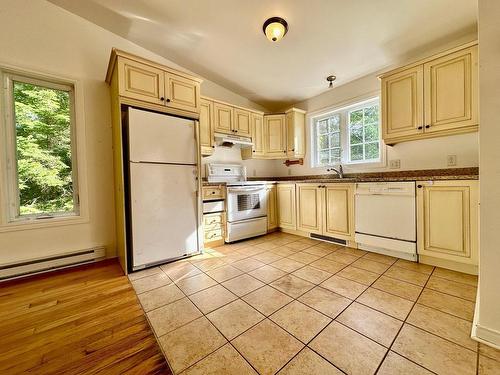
292, 305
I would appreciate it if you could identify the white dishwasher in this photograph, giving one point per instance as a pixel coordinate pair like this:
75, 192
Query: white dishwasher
385, 218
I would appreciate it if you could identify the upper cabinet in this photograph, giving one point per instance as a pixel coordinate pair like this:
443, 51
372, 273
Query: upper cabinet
242, 124
435, 97
275, 136
154, 86
257, 123
223, 118
206, 127
295, 133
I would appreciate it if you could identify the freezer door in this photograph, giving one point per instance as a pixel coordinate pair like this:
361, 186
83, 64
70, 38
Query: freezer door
164, 207
161, 138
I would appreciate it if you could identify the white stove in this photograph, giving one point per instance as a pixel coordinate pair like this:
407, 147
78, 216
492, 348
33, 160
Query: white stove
246, 201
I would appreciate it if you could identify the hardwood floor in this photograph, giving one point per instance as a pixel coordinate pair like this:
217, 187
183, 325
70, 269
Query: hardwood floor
84, 320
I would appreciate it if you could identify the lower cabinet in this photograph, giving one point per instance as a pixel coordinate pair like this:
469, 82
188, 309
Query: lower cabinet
286, 206
213, 229
272, 209
326, 209
447, 223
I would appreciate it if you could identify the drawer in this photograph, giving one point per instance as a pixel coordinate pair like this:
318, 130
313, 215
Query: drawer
213, 235
213, 192
212, 221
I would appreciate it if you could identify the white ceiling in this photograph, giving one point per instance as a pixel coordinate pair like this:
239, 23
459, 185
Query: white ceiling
222, 40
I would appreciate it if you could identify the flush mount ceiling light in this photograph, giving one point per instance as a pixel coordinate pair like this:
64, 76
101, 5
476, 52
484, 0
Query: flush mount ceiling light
330, 80
275, 28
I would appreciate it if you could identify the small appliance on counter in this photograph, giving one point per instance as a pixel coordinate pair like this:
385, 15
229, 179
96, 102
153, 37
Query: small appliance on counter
246, 201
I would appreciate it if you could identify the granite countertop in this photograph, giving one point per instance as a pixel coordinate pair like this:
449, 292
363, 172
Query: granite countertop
414, 175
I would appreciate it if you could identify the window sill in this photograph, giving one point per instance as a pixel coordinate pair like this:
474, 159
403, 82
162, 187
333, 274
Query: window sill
42, 224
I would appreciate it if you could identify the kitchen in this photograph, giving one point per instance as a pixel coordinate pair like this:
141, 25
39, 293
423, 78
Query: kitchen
335, 218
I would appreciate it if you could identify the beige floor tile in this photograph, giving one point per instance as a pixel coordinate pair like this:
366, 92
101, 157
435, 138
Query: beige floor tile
159, 297
252, 250
376, 325
309, 241
210, 264
304, 257
150, 282
348, 350
308, 362
287, 264
267, 274
328, 265
359, 275
342, 257
444, 302
329, 246
444, 325
268, 245
292, 285
224, 273
464, 291
243, 284
299, 245
300, 320
398, 287
284, 240
267, 347
459, 277
317, 250
190, 343
147, 272
284, 251
371, 265
488, 366
325, 301
311, 274
248, 264
267, 257
235, 257
344, 287
224, 361
172, 316
414, 266
381, 258
267, 300
351, 251
489, 351
235, 318
407, 275
434, 353
212, 298
387, 303
196, 283
395, 364
199, 257
180, 270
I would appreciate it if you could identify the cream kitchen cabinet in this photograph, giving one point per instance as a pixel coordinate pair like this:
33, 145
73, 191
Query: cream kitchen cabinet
447, 224
275, 141
295, 133
141, 81
257, 122
206, 127
436, 96
182, 93
310, 208
272, 209
242, 122
223, 118
286, 206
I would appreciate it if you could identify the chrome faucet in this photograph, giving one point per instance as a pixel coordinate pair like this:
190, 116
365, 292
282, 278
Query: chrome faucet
340, 171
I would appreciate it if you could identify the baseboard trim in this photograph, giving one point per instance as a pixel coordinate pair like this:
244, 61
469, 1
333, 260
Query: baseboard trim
482, 334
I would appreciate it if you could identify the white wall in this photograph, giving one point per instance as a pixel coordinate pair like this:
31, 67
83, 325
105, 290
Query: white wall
42, 37
488, 313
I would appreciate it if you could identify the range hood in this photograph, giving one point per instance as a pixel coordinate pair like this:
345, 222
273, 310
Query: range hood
230, 140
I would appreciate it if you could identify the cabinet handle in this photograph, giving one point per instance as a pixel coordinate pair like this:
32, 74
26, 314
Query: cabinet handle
293, 149
253, 150
162, 98
419, 186
168, 100
420, 127
236, 131
427, 126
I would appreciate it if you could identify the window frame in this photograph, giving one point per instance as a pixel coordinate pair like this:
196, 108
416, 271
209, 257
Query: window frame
10, 219
343, 110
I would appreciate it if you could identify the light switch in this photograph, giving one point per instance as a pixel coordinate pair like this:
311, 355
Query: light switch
451, 160
395, 164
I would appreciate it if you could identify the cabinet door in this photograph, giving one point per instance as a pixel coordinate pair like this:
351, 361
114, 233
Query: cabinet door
275, 136
286, 206
141, 81
257, 122
206, 128
447, 214
242, 122
182, 93
309, 208
451, 91
223, 118
272, 214
295, 134
402, 104
339, 211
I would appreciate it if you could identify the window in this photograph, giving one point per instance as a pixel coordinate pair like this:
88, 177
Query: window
41, 163
349, 135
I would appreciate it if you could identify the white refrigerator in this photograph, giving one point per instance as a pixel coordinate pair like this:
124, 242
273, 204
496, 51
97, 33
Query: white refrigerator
163, 188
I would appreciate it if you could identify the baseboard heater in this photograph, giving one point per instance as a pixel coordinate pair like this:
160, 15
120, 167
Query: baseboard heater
328, 239
40, 265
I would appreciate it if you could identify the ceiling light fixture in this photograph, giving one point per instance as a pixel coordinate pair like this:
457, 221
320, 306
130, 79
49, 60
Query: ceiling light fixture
330, 80
275, 28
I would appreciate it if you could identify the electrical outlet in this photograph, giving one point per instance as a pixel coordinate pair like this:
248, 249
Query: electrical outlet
395, 164
451, 160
